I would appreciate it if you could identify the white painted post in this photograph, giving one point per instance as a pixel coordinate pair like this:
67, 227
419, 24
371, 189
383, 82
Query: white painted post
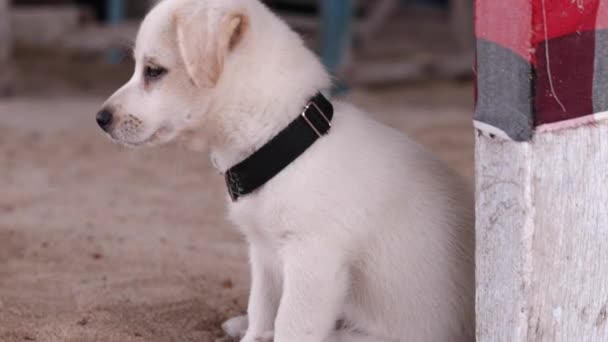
542, 255
542, 171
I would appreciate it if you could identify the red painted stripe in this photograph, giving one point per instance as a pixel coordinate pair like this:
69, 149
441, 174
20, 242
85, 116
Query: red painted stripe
520, 25
564, 17
602, 15
557, 37
507, 23
563, 85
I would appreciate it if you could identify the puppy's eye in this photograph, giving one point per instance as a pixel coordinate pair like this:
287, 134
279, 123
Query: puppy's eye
153, 73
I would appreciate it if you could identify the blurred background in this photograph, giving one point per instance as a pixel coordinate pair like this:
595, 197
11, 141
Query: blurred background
102, 243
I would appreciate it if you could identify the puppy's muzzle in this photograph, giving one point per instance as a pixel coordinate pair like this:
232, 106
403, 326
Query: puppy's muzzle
105, 118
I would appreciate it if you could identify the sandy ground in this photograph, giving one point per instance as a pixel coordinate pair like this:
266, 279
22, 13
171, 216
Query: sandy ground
103, 243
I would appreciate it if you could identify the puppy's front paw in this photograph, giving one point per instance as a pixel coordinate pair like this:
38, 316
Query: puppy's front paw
236, 327
265, 337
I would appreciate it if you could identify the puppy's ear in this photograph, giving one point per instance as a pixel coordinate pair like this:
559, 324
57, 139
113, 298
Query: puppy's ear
205, 37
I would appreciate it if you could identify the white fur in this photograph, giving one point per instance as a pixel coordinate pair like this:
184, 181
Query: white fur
365, 227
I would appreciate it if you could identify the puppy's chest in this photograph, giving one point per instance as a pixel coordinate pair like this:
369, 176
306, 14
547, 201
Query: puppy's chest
269, 224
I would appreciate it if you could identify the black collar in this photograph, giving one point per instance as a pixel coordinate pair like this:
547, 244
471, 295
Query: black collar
280, 151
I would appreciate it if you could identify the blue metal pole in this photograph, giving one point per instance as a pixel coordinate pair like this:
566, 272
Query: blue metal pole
337, 17
116, 14
116, 11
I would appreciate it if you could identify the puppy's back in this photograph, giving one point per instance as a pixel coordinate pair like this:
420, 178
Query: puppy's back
406, 219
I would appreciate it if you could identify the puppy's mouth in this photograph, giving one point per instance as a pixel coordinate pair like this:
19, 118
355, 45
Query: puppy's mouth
157, 137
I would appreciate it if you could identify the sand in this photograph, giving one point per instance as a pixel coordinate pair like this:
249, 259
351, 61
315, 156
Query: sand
103, 243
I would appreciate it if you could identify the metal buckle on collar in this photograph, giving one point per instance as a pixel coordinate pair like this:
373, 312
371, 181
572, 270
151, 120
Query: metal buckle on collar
310, 122
233, 188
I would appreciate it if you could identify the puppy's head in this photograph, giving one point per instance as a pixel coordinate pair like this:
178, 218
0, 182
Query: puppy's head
179, 58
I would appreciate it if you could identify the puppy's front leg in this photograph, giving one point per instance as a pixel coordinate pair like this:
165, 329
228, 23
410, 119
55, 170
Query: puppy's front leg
265, 293
315, 286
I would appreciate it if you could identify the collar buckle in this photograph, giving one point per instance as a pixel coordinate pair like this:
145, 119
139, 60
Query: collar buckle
309, 122
232, 185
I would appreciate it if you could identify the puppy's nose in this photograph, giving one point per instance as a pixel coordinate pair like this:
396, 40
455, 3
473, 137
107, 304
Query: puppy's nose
105, 118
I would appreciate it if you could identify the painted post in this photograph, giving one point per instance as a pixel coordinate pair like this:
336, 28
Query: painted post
542, 180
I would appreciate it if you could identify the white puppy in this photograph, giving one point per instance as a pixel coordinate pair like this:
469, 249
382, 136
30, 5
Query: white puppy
365, 228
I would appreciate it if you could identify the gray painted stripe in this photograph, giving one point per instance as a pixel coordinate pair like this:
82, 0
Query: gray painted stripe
600, 75
504, 91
